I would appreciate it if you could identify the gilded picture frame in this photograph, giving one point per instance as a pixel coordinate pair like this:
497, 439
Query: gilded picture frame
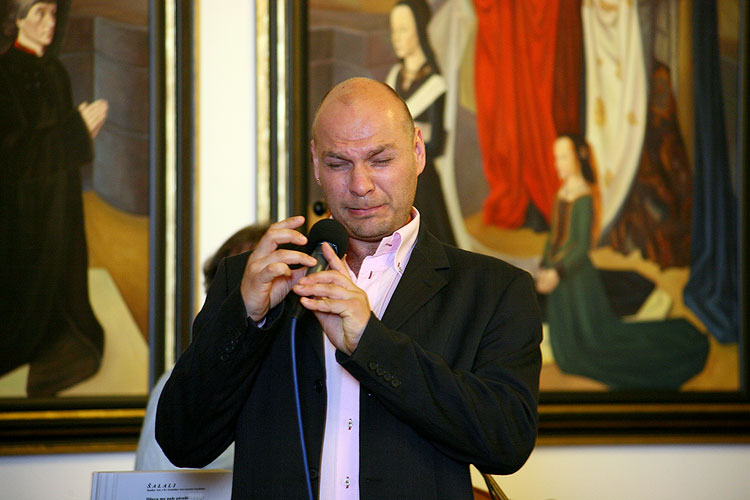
346, 39
139, 58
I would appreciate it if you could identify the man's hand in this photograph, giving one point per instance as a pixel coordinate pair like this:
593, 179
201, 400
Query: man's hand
340, 306
94, 115
268, 277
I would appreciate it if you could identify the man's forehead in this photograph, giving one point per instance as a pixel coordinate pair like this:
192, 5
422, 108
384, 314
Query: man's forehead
356, 123
362, 128
359, 108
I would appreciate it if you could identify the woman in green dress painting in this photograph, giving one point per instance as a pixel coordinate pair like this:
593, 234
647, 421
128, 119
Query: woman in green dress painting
586, 336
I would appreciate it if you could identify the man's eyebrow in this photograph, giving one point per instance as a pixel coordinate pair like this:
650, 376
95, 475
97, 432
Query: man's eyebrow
380, 149
371, 153
333, 154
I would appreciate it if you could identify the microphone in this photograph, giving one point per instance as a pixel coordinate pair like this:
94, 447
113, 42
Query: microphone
328, 231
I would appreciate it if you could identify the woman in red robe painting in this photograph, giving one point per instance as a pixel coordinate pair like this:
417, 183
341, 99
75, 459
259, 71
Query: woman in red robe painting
514, 86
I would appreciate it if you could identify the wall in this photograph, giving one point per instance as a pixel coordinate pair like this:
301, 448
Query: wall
62, 477
225, 108
630, 472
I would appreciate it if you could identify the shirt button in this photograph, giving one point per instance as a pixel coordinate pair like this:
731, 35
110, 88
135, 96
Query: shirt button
318, 386
313, 473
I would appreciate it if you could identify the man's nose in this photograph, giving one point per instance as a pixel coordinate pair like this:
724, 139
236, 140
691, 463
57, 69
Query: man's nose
360, 180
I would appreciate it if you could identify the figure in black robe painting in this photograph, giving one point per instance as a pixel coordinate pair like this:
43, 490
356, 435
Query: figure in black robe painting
47, 320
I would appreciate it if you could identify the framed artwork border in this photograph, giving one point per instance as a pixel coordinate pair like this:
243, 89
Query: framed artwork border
95, 424
683, 417
616, 417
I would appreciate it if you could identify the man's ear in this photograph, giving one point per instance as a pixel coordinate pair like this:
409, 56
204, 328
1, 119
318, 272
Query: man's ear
420, 153
316, 169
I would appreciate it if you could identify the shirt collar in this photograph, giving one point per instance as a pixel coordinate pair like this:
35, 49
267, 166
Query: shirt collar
401, 242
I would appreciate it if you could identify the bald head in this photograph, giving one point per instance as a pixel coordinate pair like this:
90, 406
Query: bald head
367, 155
366, 95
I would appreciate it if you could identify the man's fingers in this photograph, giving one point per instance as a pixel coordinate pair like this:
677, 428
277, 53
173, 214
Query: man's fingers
279, 233
324, 305
326, 290
328, 284
290, 257
273, 271
290, 222
328, 277
333, 259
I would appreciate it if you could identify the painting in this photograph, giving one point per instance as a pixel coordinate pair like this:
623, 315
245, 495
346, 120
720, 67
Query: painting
595, 144
84, 225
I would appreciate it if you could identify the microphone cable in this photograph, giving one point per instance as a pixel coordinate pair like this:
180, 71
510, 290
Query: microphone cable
333, 233
299, 410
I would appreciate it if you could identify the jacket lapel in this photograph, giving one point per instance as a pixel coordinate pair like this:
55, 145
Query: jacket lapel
420, 282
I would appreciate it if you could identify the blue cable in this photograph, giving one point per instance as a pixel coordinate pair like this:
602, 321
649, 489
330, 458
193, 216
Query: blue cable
299, 410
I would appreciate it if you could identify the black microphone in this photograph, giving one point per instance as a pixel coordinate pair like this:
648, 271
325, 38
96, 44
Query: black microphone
324, 231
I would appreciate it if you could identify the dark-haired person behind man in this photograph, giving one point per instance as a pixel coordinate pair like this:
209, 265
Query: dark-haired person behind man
415, 359
148, 454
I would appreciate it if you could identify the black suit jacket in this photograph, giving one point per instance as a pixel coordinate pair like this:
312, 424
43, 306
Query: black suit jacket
449, 377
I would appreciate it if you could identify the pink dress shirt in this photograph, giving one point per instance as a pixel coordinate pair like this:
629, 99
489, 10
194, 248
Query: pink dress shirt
378, 277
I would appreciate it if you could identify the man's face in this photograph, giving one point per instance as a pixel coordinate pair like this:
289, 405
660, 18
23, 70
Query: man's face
367, 164
37, 29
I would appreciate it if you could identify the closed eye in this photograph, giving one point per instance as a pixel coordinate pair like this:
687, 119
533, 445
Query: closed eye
336, 165
335, 161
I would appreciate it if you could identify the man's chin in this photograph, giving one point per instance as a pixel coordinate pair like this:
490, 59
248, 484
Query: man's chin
366, 232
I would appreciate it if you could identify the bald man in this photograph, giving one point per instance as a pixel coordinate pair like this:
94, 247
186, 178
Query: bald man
415, 359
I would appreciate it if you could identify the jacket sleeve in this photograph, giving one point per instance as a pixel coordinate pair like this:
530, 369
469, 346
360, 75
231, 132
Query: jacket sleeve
199, 405
486, 414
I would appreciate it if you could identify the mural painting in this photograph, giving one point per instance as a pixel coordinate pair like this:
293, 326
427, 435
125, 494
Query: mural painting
590, 142
74, 161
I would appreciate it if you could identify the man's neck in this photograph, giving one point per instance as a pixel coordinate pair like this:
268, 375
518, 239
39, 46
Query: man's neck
359, 249
357, 252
